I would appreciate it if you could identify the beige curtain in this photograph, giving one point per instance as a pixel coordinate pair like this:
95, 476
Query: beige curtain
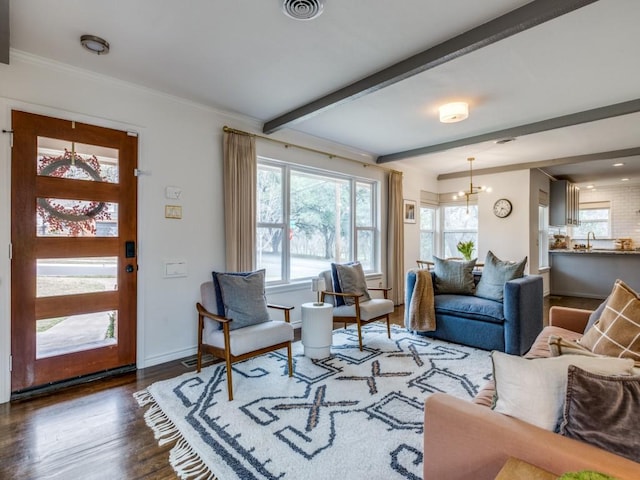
240, 178
395, 238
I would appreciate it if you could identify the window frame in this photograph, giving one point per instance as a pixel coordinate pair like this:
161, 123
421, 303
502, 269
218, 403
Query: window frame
603, 205
433, 231
286, 169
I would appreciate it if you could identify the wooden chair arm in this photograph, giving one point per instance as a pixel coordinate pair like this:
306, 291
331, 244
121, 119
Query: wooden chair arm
280, 307
205, 313
384, 291
336, 294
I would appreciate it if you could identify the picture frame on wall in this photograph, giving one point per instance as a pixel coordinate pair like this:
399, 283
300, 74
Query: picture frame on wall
410, 211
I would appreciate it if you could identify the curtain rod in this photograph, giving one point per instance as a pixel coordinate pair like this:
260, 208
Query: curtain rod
313, 150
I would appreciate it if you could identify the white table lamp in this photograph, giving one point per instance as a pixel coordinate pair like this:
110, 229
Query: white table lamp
318, 285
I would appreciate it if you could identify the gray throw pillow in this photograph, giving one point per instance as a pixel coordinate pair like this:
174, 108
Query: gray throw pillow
351, 279
243, 298
596, 314
495, 274
454, 276
603, 410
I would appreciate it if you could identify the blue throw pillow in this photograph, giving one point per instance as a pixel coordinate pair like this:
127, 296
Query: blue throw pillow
495, 274
453, 276
243, 298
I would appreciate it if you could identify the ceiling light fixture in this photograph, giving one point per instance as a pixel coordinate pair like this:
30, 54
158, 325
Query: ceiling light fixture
502, 141
94, 44
473, 189
303, 9
590, 187
454, 112
624, 179
618, 164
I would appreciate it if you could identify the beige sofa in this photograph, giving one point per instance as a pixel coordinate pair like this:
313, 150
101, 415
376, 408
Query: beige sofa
464, 440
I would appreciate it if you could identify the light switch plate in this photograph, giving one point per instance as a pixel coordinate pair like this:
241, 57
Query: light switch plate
173, 211
172, 193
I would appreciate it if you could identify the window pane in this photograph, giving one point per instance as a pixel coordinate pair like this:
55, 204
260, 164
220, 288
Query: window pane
269, 194
366, 252
456, 217
76, 218
70, 276
319, 221
364, 204
451, 240
594, 220
426, 245
77, 161
57, 336
427, 218
269, 257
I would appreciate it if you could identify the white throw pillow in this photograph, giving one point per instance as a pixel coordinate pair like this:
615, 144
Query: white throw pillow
534, 390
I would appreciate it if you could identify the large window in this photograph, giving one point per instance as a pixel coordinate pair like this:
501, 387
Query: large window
427, 232
460, 224
309, 218
594, 217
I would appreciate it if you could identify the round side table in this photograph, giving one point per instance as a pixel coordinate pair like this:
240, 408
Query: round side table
317, 329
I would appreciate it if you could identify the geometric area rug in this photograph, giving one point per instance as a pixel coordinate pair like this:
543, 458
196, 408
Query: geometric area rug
353, 415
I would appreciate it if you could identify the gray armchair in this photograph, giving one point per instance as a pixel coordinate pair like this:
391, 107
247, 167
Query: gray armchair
233, 345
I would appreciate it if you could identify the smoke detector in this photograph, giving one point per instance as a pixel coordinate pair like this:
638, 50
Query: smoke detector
303, 9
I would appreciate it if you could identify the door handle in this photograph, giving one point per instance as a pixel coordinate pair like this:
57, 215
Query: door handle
129, 268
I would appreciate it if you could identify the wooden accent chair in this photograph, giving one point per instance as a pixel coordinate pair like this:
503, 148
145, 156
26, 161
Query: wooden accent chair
234, 345
361, 312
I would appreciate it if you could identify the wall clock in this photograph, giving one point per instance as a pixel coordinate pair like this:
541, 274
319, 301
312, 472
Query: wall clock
502, 208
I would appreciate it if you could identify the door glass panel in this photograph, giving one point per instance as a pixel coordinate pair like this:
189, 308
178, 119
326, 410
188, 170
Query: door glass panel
58, 336
58, 217
70, 276
77, 161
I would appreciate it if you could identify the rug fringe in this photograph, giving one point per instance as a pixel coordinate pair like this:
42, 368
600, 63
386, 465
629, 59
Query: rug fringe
143, 397
187, 463
182, 458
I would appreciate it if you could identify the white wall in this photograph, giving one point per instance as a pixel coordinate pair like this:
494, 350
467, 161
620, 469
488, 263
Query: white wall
180, 144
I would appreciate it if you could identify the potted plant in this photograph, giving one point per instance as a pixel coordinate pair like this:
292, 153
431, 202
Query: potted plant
466, 249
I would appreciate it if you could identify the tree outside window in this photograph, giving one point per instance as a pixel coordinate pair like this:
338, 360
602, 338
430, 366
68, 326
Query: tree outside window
309, 219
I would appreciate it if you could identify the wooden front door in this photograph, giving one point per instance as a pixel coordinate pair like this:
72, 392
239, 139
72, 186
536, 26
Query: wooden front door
74, 251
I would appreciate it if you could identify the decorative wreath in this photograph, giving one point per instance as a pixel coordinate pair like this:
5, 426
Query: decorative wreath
77, 218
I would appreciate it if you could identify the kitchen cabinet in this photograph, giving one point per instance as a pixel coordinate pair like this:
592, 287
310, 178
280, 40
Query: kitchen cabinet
564, 203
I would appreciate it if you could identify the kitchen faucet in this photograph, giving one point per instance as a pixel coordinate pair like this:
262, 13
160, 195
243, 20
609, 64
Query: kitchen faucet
594, 237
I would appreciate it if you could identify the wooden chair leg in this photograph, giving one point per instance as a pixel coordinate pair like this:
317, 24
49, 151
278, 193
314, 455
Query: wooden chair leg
199, 367
290, 359
229, 382
388, 328
360, 334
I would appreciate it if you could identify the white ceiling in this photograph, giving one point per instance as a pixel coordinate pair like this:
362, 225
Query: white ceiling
247, 57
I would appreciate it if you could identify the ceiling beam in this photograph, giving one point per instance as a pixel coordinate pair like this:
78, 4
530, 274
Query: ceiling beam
554, 162
4, 31
586, 116
518, 20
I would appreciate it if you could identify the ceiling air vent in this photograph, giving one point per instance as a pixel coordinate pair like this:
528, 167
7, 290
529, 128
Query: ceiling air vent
303, 9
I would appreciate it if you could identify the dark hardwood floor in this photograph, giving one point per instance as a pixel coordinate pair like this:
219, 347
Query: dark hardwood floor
97, 431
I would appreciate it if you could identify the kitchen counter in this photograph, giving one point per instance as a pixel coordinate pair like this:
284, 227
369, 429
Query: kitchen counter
593, 251
592, 273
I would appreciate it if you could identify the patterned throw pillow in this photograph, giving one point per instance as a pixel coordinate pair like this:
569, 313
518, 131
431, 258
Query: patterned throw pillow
495, 274
454, 276
617, 332
352, 280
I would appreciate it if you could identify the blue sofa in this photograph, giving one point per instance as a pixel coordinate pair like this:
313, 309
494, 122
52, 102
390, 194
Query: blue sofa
510, 326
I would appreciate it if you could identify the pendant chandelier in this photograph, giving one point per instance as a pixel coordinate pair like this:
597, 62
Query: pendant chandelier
473, 189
